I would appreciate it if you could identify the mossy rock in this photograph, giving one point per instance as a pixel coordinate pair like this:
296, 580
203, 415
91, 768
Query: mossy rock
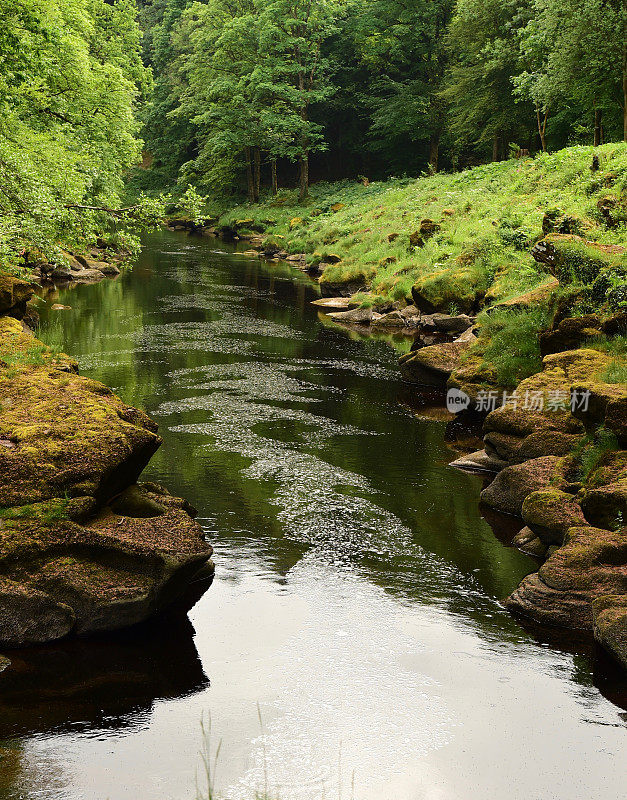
563, 373
606, 506
64, 434
457, 287
14, 293
592, 563
607, 405
510, 488
609, 614
549, 513
433, 365
58, 577
572, 259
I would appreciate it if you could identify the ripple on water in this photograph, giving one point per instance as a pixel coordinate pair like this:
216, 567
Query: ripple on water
348, 660
319, 504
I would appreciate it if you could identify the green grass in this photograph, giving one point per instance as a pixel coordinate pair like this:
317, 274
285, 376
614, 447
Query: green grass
509, 342
589, 452
487, 219
615, 373
48, 511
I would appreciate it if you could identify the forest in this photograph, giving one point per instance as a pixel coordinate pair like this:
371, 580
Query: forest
240, 97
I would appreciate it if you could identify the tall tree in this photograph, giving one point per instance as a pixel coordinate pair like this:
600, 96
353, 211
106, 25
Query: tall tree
483, 112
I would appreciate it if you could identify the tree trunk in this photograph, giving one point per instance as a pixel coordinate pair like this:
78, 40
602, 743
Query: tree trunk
495, 147
275, 183
249, 176
542, 127
434, 150
303, 176
257, 175
598, 114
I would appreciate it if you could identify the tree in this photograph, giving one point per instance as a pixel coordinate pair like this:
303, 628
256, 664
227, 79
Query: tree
577, 54
483, 112
70, 76
292, 75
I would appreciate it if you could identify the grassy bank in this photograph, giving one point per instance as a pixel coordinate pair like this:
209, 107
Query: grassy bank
462, 242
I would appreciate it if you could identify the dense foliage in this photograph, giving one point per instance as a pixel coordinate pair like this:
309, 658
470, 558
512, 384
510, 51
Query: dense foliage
71, 77
247, 90
245, 95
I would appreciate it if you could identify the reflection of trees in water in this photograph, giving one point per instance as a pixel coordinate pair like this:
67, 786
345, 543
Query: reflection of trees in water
405, 464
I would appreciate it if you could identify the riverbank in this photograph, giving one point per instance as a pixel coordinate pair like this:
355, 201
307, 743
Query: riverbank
522, 268
84, 548
342, 536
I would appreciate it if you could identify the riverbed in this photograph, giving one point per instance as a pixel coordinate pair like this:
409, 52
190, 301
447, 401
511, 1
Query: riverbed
353, 644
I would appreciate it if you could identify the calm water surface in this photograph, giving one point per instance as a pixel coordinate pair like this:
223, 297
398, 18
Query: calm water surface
355, 610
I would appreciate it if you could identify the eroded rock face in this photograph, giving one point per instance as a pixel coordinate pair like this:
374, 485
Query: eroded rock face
14, 294
508, 490
82, 548
61, 577
591, 563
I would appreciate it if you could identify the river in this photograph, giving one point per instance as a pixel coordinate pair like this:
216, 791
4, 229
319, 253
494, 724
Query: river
352, 644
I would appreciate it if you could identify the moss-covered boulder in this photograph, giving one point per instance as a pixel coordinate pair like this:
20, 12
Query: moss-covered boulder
550, 513
591, 563
609, 614
60, 577
572, 259
570, 333
606, 506
433, 365
458, 287
547, 396
508, 490
14, 294
606, 405
63, 434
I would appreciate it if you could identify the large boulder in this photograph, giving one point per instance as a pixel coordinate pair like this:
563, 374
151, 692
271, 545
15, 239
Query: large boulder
59, 576
607, 405
550, 513
572, 259
82, 548
591, 563
609, 614
14, 294
606, 506
63, 434
508, 490
433, 365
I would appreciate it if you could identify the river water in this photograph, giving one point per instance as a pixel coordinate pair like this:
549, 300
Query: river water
352, 644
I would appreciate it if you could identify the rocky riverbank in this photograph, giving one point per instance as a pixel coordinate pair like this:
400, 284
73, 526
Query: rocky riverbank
84, 548
545, 365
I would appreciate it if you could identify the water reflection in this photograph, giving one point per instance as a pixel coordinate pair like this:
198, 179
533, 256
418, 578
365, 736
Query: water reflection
357, 588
